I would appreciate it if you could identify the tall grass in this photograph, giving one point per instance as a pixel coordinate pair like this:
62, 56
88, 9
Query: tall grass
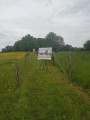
41, 95
80, 66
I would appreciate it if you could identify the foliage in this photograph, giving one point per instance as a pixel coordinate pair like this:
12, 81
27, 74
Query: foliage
54, 41
7, 49
67, 48
87, 45
78, 49
28, 43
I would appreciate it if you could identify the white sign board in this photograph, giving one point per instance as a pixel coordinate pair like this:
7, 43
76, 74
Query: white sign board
45, 53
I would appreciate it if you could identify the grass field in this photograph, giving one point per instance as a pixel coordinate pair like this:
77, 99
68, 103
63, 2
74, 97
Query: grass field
80, 67
42, 95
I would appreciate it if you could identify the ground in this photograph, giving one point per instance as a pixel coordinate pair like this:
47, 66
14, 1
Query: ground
42, 95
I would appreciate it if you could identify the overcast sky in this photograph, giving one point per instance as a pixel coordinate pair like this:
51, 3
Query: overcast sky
68, 18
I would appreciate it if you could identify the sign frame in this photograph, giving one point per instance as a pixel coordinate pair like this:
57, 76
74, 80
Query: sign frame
45, 53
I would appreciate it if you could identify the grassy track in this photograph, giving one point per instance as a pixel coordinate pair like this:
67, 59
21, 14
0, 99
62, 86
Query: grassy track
42, 95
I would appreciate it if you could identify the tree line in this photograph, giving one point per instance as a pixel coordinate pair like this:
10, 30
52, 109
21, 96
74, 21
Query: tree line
28, 43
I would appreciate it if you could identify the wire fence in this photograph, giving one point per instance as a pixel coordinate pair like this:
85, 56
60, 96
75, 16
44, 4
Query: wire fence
60, 65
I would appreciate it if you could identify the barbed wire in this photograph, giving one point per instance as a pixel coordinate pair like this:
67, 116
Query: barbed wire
60, 65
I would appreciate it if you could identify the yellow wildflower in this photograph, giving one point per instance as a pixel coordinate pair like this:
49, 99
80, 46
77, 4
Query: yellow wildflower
9, 90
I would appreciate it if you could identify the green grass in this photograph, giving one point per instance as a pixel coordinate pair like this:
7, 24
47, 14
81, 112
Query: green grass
42, 95
80, 67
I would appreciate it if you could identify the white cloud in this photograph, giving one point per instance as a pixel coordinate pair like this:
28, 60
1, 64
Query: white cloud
68, 18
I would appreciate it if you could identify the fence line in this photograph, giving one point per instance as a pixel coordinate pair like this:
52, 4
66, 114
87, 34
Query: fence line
17, 74
25, 57
60, 65
15, 68
70, 65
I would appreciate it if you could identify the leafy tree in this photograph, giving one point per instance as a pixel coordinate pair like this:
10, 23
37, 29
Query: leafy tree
67, 48
78, 49
7, 49
28, 43
16, 46
41, 42
87, 45
54, 41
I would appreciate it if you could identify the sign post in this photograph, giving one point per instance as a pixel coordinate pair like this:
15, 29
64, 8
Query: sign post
44, 54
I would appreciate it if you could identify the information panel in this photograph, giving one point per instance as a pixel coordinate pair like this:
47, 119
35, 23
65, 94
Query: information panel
45, 53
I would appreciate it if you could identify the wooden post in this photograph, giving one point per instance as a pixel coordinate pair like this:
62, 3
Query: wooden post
43, 65
17, 74
70, 65
40, 65
46, 65
53, 59
28, 53
25, 57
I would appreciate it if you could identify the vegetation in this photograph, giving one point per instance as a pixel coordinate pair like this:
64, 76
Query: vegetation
80, 67
54, 41
42, 95
87, 45
28, 43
